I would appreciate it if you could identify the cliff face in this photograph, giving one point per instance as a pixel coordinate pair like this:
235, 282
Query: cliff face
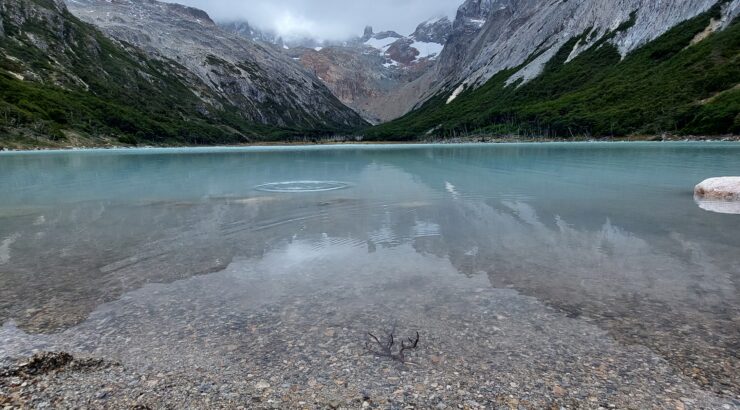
492, 35
436, 30
266, 86
61, 80
582, 67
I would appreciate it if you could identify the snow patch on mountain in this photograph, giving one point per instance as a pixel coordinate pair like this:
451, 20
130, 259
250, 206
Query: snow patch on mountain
427, 50
425, 43
380, 45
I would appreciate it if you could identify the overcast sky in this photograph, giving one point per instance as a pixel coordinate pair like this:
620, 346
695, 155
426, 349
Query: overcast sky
327, 19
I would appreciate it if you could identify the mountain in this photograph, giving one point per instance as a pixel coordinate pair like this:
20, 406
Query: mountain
154, 72
587, 67
264, 85
423, 45
365, 72
63, 82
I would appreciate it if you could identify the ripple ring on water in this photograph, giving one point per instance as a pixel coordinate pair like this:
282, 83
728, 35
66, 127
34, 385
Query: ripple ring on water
302, 186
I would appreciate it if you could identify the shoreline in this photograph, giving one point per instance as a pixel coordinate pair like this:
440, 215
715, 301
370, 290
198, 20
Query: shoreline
106, 145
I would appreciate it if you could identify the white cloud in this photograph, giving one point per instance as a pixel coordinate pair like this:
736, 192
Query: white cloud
327, 19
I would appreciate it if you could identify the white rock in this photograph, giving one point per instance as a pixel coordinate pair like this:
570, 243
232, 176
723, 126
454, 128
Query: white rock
720, 195
724, 188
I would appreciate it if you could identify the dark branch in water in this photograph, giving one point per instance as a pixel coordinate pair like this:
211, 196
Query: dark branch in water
386, 349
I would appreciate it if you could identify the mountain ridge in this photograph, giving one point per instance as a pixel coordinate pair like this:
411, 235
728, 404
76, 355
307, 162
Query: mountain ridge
682, 82
267, 87
364, 72
66, 83
164, 73
515, 30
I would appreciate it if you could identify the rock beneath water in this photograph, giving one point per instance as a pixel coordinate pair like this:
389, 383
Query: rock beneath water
719, 195
48, 362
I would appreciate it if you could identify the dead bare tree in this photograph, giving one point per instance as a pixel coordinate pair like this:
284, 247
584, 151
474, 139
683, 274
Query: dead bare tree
387, 348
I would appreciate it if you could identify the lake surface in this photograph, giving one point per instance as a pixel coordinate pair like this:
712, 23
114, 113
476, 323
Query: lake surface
528, 266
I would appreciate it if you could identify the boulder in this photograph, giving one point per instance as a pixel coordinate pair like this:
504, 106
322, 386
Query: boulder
724, 188
720, 195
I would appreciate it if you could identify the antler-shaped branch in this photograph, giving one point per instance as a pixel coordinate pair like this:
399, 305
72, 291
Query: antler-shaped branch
386, 349
411, 346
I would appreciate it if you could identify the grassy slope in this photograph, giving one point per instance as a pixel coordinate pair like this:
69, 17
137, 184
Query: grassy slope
130, 97
665, 86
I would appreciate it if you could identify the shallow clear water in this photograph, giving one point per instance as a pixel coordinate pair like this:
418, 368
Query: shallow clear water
607, 234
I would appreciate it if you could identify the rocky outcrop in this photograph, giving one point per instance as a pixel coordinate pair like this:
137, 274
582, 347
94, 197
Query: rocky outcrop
492, 35
191, 13
387, 34
433, 31
368, 33
402, 51
266, 86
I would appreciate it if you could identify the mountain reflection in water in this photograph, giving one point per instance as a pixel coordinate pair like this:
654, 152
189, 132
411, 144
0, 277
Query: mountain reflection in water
607, 234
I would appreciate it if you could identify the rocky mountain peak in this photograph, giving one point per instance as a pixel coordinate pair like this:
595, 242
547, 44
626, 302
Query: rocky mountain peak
473, 14
191, 14
387, 34
368, 33
433, 31
475, 9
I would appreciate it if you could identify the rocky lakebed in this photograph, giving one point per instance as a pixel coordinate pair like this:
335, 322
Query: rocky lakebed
512, 276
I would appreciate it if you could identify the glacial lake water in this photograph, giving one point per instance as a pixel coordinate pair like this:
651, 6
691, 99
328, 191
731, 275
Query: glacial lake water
540, 261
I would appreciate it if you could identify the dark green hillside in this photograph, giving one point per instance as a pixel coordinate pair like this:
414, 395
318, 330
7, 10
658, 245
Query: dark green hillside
77, 83
667, 85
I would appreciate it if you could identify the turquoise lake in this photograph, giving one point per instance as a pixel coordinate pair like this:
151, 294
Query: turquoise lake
606, 236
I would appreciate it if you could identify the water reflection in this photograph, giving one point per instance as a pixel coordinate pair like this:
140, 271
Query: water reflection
605, 235
720, 207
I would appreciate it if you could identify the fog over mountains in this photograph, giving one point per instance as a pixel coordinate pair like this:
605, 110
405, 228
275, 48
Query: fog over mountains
326, 19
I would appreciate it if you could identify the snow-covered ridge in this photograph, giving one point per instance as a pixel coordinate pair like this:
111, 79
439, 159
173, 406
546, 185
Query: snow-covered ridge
425, 43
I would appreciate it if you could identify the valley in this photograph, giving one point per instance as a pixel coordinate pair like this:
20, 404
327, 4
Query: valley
500, 69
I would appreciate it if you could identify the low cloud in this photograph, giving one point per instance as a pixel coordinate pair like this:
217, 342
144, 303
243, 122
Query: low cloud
327, 19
